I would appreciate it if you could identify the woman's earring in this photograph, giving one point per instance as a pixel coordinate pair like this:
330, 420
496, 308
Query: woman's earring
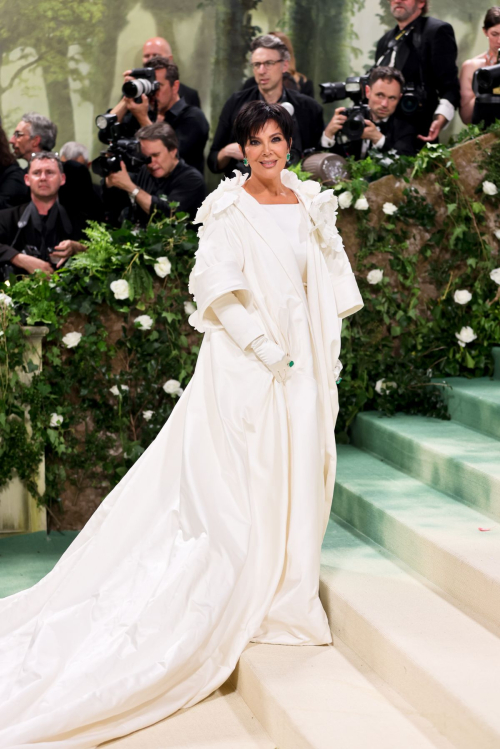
288, 156
245, 161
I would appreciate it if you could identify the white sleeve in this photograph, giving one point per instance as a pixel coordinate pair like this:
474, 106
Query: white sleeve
236, 320
327, 142
380, 143
445, 108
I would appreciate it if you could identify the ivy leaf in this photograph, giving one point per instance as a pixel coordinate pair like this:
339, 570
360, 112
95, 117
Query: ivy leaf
478, 208
452, 207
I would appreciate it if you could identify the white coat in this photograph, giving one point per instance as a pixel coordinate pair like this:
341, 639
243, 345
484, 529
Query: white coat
213, 537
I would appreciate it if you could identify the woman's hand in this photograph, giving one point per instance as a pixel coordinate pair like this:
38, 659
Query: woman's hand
272, 356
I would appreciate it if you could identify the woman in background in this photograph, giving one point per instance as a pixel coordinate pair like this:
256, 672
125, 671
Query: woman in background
491, 28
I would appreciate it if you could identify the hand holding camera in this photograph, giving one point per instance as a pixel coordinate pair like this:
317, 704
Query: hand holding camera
336, 123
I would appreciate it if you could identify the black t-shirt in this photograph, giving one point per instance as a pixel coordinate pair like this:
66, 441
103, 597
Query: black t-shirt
184, 185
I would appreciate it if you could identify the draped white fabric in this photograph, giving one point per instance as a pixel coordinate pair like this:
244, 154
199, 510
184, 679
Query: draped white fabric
213, 537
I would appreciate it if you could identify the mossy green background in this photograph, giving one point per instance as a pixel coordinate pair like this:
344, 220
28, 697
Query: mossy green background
64, 58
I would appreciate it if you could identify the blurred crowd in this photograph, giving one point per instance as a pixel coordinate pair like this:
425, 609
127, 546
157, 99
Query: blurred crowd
155, 139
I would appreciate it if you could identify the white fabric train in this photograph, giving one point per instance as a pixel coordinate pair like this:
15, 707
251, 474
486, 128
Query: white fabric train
213, 537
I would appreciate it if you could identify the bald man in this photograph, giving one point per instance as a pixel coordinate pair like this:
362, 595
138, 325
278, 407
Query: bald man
157, 45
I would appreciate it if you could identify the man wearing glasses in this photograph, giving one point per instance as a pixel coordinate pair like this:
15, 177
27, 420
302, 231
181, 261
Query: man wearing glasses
270, 59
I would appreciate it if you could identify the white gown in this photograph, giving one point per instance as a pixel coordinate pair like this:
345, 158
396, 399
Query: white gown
213, 537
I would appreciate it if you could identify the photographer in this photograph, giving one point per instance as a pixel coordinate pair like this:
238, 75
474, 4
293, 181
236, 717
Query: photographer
425, 51
33, 133
165, 105
165, 179
38, 235
157, 46
270, 60
385, 130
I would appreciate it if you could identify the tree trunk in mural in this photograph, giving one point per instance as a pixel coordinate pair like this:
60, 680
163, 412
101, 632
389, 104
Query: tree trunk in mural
321, 36
233, 34
56, 78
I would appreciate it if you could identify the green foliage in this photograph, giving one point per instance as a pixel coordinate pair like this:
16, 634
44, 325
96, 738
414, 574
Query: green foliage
100, 430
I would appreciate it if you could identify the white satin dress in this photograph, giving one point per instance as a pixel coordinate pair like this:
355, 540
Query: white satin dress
213, 538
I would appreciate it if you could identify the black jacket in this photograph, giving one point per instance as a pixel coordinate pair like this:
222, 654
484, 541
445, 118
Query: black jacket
427, 57
184, 185
13, 191
190, 95
190, 125
15, 239
400, 136
308, 125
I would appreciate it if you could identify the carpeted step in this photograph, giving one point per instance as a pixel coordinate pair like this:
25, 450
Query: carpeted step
475, 403
414, 636
433, 533
221, 721
444, 454
327, 698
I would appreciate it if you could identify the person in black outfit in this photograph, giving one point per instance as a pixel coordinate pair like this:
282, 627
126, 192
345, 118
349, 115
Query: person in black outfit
425, 51
292, 78
39, 235
164, 180
386, 130
190, 124
13, 190
159, 47
270, 59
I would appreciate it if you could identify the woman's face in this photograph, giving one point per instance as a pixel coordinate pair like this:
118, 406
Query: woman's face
266, 151
493, 35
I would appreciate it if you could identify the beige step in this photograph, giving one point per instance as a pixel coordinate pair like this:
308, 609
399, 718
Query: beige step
221, 721
327, 698
416, 637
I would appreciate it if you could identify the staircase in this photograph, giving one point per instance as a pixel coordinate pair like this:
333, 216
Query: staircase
411, 585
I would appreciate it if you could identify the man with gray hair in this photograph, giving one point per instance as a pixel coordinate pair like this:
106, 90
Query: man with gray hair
73, 151
33, 133
269, 60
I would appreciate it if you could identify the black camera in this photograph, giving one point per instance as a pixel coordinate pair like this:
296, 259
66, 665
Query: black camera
145, 83
486, 86
413, 98
353, 88
118, 149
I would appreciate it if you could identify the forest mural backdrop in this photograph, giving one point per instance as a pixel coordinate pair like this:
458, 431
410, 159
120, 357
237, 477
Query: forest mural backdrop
64, 58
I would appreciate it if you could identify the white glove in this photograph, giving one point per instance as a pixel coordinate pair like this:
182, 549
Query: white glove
273, 357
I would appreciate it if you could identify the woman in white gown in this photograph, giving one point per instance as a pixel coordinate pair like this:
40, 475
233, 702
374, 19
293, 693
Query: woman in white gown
213, 538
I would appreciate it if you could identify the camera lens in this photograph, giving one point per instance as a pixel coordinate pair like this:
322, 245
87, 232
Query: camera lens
101, 121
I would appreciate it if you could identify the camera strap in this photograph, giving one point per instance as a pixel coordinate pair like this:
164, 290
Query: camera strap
396, 45
45, 229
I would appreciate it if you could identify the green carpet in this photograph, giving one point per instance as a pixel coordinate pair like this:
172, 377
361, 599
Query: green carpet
25, 559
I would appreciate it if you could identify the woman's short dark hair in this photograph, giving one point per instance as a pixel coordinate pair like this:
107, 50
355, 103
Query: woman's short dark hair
6, 156
159, 131
492, 18
253, 116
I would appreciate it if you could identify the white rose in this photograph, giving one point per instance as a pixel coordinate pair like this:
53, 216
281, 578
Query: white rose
381, 386
389, 209
56, 420
116, 391
147, 415
497, 233
173, 387
489, 188
6, 300
462, 296
361, 204
495, 275
189, 308
72, 339
375, 276
120, 289
466, 335
145, 322
162, 267
345, 199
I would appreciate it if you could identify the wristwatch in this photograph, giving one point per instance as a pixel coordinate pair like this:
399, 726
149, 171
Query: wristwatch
135, 192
